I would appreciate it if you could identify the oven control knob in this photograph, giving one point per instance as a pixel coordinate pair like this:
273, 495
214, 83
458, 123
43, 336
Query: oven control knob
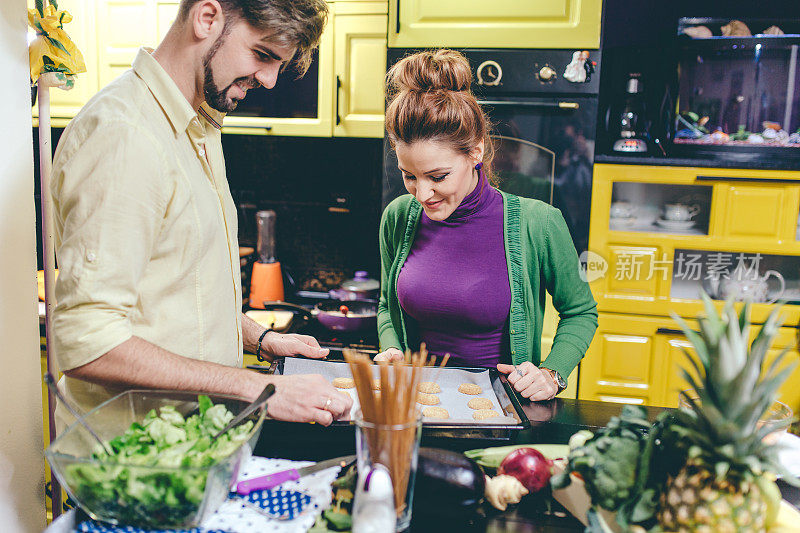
489, 73
546, 73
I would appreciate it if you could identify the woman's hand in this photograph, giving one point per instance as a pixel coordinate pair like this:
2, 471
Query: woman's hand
534, 383
291, 344
391, 354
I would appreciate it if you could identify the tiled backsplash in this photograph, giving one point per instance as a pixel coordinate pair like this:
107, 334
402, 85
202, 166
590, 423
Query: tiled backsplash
326, 195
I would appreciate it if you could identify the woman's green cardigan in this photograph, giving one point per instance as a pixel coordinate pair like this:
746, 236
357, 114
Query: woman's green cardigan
540, 256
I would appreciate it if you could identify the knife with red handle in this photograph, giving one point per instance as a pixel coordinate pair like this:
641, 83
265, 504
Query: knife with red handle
276, 478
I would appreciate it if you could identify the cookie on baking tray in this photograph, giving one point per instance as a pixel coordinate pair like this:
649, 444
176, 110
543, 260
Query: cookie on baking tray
483, 414
435, 412
479, 403
470, 388
344, 383
429, 387
427, 399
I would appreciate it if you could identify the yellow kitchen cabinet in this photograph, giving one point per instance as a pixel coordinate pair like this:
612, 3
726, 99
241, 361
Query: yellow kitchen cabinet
498, 24
654, 268
629, 360
360, 67
123, 26
65, 104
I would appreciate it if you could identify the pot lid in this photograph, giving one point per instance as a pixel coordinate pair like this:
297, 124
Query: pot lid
361, 282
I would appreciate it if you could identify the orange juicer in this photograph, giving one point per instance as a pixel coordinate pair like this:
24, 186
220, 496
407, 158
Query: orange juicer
266, 283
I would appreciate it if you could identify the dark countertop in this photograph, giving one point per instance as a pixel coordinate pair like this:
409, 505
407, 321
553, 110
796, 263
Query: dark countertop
771, 163
551, 422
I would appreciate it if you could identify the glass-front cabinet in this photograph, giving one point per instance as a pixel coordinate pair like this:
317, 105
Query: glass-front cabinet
659, 238
664, 234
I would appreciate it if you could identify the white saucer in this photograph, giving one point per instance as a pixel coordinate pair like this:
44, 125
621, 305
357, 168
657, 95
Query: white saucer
675, 224
622, 222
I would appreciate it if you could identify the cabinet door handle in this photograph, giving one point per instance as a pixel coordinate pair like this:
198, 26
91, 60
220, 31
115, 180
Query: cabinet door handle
397, 20
518, 103
338, 90
739, 179
238, 126
669, 331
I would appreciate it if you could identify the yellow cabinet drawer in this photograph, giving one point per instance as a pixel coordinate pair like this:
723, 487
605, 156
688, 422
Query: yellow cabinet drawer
752, 211
634, 272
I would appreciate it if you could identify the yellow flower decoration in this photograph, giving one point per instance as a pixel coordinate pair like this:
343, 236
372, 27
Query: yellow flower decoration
53, 50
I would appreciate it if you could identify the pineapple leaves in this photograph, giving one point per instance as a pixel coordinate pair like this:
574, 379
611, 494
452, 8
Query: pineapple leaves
695, 339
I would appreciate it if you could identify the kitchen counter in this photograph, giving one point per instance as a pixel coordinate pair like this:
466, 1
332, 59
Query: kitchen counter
551, 422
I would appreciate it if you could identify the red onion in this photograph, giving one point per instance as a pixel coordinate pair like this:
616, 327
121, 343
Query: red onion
529, 466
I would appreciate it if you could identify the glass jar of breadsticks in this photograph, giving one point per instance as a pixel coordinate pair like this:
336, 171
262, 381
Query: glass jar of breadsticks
389, 425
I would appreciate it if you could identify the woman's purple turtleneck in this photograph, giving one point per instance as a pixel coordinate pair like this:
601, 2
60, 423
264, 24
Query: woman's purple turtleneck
454, 283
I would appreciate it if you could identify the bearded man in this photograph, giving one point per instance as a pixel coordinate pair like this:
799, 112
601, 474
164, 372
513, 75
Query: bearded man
149, 291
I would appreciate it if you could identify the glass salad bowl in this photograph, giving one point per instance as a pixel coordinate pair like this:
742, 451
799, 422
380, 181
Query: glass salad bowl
164, 472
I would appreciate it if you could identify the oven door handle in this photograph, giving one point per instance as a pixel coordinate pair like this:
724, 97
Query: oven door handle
518, 103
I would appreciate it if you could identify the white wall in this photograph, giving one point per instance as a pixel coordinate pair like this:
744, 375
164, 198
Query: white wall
22, 471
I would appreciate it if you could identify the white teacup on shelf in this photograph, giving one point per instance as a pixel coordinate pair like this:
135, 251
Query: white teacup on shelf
621, 210
680, 212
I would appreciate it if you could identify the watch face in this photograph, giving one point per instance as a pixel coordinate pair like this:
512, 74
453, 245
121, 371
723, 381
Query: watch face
562, 384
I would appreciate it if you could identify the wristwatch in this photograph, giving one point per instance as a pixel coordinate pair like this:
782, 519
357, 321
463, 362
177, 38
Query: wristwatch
561, 382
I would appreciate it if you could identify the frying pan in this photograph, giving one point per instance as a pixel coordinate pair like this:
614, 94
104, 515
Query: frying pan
335, 315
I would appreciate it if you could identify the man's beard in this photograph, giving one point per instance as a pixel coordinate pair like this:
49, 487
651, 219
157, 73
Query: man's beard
215, 97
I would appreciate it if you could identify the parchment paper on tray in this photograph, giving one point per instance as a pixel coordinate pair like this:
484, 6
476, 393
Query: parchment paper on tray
449, 379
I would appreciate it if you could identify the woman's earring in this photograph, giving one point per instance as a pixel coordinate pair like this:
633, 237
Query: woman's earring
479, 166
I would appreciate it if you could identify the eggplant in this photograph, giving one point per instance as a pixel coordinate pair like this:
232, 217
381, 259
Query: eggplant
447, 482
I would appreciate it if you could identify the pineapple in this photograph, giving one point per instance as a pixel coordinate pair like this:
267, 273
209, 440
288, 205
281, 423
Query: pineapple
724, 483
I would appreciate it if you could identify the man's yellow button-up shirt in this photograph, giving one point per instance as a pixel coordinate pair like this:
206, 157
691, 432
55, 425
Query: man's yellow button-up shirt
145, 228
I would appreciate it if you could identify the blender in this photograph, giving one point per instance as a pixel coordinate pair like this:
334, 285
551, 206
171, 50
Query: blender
266, 283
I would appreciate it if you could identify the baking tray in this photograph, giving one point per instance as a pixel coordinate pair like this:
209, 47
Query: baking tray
501, 430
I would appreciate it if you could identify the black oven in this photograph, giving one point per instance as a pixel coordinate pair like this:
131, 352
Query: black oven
543, 127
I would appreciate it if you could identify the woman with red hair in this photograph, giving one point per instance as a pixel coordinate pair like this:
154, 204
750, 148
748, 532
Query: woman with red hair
464, 266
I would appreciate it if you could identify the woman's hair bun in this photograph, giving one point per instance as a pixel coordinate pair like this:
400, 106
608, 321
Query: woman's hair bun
433, 70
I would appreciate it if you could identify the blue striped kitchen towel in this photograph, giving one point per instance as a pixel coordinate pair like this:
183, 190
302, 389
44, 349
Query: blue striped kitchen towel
276, 503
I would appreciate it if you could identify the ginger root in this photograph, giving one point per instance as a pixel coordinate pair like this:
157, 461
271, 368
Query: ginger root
502, 490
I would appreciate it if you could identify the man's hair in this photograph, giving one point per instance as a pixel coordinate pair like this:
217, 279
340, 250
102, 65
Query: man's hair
292, 23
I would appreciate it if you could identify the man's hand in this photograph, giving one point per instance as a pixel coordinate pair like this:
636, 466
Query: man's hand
305, 398
391, 354
292, 344
534, 383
